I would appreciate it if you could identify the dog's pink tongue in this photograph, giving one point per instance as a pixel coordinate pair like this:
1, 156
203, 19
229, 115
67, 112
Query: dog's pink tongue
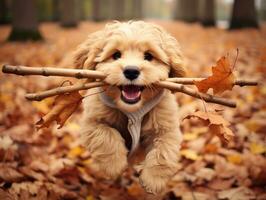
131, 91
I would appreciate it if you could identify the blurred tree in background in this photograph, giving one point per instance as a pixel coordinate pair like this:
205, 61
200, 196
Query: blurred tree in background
24, 21
45, 9
207, 12
24, 15
69, 12
3, 12
187, 10
118, 9
244, 14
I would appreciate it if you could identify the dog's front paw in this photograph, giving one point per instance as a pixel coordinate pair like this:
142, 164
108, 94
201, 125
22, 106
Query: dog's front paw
111, 167
152, 181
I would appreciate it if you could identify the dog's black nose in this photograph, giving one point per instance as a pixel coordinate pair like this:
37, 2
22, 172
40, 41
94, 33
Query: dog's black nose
131, 72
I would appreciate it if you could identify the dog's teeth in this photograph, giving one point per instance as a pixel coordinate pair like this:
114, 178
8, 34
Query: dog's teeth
131, 93
131, 98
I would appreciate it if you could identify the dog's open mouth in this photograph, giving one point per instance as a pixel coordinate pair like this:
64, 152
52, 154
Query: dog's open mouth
131, 93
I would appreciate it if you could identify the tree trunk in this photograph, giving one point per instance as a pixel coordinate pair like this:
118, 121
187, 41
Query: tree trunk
187, 10
96, 10
24, 21
3, 12
69, 15
207, 12
137, 9
118, 8
244, 14
56, 10
263, 10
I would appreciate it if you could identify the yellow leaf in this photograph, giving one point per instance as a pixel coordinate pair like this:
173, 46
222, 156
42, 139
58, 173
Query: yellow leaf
235, 159
256, 148
75, 152
250, 98
43, 106
87, 162
7, 100
252, 125
67, 139
90, 197
73, 126
263, 90
190, 154
190, 136
200, 130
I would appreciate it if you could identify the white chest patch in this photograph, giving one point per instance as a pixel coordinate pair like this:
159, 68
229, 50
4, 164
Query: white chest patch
134, 118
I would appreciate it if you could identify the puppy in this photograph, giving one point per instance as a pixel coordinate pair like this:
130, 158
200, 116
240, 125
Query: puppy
131, 112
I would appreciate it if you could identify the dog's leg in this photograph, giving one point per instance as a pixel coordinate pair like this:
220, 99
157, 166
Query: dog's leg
107, 148
160, 163
161, 160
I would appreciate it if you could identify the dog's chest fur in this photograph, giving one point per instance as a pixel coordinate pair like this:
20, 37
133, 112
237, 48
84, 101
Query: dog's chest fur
121, 125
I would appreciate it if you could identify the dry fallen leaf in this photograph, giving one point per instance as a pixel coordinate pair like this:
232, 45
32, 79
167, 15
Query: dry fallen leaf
63, 106
49, 152
240, 193
257, 148
235, 159
217, 124
5, 142
222, 78
190, 154
221, 184
9, 174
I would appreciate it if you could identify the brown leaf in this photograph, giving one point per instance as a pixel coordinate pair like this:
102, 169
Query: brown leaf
6, 195
217, 124
222, 78
221, 184
237, 194
223, 132
9, 174
31, 173
63, 106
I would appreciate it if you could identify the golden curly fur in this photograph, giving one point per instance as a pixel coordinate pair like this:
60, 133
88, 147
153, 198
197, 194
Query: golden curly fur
104, 129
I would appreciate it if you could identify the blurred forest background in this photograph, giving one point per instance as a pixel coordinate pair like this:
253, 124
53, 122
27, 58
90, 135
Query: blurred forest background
51, 163
26, 14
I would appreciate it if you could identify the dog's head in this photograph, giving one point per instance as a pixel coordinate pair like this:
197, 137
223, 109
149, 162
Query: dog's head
134, 55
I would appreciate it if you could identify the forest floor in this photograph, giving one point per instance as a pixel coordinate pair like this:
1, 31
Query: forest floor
50, 163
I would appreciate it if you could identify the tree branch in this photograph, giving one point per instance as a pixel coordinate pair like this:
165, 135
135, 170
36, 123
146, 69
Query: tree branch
52, 71
174, 84
190, 81
206, 97
84, 73
60, 90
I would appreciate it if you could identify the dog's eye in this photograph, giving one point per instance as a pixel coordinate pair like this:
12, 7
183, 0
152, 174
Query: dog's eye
148, 56
116, 55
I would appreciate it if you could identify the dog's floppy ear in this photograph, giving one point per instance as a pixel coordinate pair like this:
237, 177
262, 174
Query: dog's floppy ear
176, 62
84, 56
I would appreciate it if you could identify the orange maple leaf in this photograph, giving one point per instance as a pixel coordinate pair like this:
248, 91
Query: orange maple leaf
222, 78
63, 106
216, 123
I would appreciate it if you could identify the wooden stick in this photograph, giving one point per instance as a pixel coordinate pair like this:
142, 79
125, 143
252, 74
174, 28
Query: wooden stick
84, 73
52, 71
60, 90
169, 84
206, 97
164, 84
190, 81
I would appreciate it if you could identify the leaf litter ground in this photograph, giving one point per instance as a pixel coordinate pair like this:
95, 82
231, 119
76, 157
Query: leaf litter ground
50, 163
